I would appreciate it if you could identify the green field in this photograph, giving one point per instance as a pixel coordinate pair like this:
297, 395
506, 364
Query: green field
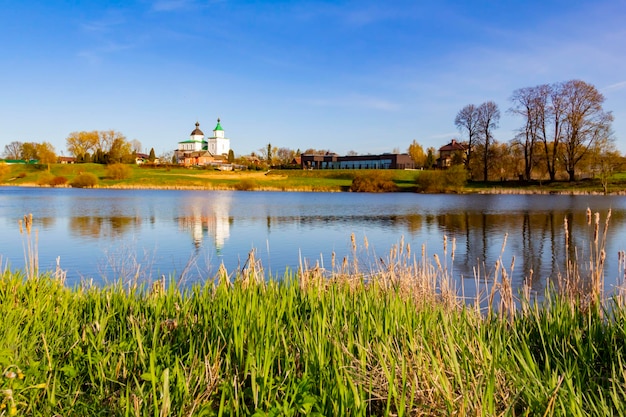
175, 177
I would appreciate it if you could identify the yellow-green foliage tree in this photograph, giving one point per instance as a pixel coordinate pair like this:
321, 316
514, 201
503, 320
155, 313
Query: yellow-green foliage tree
80, 144
46, 154
417, 154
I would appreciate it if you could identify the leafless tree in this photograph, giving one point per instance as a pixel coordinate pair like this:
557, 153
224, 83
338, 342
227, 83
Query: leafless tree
13, 150
531, 104
586, 123
488, 119
467, 121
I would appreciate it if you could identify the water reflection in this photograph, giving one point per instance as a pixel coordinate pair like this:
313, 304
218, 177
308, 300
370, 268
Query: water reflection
525, 231
100, 226
206, 217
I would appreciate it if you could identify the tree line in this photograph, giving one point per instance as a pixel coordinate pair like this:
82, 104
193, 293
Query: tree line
102, 147
564, 129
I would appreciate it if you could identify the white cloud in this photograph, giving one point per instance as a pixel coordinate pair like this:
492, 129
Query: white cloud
614, 87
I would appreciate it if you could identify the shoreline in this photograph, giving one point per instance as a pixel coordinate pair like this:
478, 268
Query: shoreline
492, 191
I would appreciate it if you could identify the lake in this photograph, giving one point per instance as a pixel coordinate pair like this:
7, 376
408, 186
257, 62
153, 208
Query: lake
106, 234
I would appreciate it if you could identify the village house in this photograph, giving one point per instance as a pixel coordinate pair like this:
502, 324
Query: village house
451, 153
198, 151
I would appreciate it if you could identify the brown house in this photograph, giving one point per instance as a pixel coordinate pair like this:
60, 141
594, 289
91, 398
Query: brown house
66, 160
448, 153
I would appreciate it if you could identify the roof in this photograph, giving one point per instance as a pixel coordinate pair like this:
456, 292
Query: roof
192, 141
197, 131
219, 126
453, 146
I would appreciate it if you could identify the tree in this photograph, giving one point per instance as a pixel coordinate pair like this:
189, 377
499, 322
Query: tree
120, 151
136, 145
268, 154
467, 120
152, 156
285, 155
13, 150
231, 156
46, 154
430, 157
531, 104
29, 151
603, 160
488, 118
586, 123
79, 144
416, 152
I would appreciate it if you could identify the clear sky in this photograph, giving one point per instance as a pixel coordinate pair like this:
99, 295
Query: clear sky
363, 75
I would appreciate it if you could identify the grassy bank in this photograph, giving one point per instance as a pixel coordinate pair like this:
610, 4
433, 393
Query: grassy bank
396, 339
174, 177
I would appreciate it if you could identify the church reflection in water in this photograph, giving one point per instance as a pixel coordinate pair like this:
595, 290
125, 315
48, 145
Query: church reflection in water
207, 218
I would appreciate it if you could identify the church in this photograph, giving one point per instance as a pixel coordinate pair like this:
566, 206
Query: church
199, 151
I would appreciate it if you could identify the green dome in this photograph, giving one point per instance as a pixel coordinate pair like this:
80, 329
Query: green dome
219, 126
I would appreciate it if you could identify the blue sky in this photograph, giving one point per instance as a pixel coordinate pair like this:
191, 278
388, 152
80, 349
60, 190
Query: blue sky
368, 76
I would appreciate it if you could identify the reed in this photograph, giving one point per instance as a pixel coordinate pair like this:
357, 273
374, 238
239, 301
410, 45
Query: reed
390, 337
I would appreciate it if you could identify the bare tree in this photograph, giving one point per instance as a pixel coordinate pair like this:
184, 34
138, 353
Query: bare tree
586, 123
531, 104
136, 145
554, 124
488, 119
467, 121
285, 155
13, 150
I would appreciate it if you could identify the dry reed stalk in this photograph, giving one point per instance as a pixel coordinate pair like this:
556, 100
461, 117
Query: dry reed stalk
31, 255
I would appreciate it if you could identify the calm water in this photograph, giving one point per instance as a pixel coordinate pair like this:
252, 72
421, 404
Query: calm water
110, 234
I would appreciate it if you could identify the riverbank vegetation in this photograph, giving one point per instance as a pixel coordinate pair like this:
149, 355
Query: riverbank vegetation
175, 177
393, 338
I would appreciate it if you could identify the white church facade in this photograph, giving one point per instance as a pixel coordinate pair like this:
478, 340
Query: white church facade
198, 150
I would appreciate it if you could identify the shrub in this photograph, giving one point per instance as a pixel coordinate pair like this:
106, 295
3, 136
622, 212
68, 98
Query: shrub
246, 185
84, 180
373, 182
56, 181
429, 181
452, 179
45, 178
21, 175
455, 178
118, 171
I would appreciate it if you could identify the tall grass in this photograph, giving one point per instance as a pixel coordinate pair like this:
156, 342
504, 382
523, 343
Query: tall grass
393, 338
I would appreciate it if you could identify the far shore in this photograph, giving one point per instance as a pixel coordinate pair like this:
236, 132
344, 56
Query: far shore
181, 178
